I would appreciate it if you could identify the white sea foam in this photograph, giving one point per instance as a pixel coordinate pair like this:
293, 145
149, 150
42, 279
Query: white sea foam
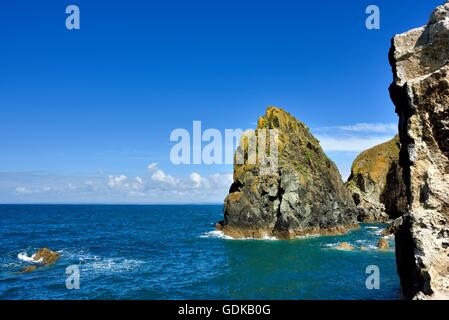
114, 264
331, 245
216, 234
361, 243
308, 236
267, 237
25, 258
220, 235
372, 227
94, 263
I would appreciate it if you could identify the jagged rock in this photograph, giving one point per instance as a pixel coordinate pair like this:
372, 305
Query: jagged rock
305, 194
219, 226
393, 226
345, 246
45, 257
420, 91
383, 244
376, 183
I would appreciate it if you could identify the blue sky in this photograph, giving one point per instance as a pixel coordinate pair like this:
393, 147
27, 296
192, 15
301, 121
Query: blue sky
84, 112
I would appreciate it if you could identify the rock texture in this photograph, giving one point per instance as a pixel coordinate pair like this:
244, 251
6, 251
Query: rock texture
420, 91
48, 257
345, 246
376, 183
383, 244
304, 196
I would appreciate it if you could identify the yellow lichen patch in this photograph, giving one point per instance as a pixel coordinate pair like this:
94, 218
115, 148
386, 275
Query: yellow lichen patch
234, 197
376, 162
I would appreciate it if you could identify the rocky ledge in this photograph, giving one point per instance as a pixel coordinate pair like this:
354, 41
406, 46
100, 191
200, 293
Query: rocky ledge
376, 183
420, 91
43, 257
305, 195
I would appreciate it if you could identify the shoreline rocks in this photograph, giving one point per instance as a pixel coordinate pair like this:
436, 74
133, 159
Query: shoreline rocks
420, 92
305, 194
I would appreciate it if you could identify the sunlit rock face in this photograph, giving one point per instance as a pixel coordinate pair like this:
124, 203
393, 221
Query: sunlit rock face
420, 91
304, 195
376, 183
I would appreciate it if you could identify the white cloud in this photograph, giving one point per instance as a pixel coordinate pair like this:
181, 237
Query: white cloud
350, 143
371, 127
221, 180
384, 128
158, 187
196, 179
118, 181
160, 176
152, 166
22, 190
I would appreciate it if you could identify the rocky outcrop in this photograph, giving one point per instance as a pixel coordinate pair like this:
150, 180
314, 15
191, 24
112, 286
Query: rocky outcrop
393, 226
43, 257
376, 183
420, 91
304, 195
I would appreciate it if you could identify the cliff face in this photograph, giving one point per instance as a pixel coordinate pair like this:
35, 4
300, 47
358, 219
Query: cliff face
420, 91
305, 195
376, 183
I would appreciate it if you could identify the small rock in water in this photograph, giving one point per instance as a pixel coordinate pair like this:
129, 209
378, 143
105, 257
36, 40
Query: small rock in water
345, 246
46, 256
219, 226
383, 244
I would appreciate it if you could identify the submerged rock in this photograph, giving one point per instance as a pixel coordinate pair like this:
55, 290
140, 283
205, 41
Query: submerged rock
304, 195
43, 257
345, 246
376, 183
420, 91
383, 244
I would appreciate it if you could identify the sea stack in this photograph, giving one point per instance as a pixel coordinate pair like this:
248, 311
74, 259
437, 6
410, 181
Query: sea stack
305, 194
376, 183
420, 91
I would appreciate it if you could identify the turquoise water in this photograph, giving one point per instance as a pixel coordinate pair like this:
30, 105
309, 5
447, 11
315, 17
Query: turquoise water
170, 252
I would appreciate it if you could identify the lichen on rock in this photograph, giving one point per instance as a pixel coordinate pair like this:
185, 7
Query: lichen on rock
420, 91
45, 257
305, 195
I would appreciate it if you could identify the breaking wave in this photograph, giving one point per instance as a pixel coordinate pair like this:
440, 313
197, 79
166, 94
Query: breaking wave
25, 258
220, 235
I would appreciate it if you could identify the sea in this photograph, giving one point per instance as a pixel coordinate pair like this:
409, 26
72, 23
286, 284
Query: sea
142, 252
